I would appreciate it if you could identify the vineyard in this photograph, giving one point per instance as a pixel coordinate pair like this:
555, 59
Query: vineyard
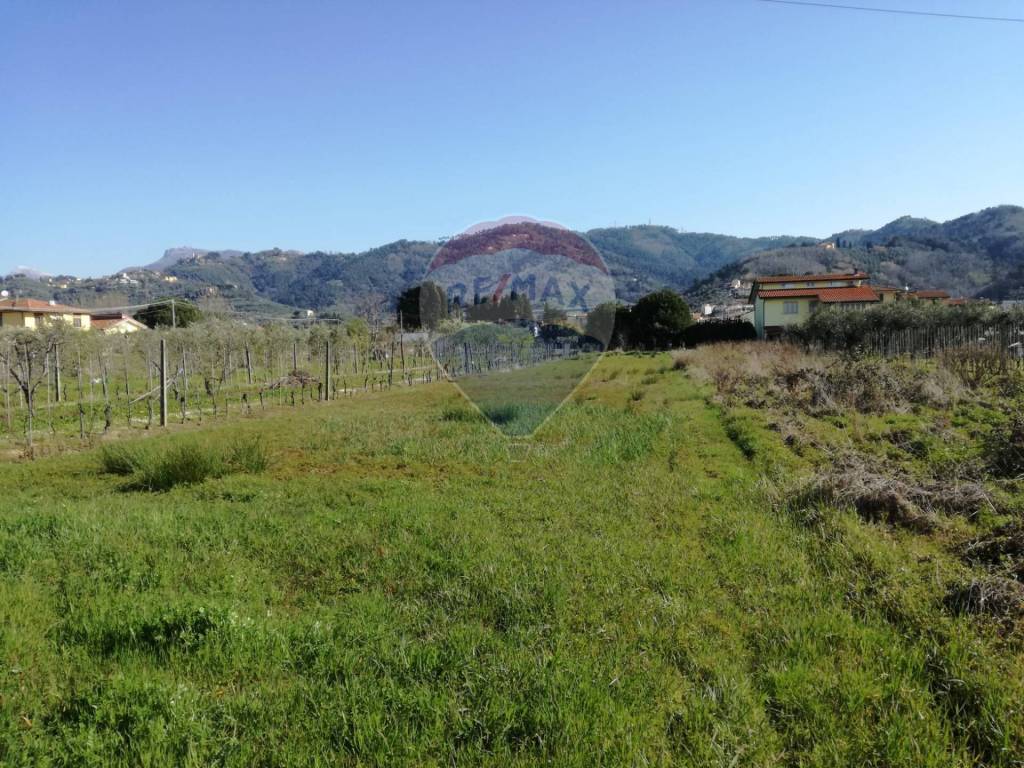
61, 384
83, 384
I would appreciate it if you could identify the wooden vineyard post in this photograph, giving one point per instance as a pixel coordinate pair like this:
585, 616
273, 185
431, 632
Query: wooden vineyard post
248, 365
163, 382
127, 386
327, 372
56, 371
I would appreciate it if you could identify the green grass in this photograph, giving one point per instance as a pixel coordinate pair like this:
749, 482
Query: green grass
401, 584
518, 402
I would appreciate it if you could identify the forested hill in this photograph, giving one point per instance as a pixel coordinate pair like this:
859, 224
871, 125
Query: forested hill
641, 258
981, 254
645, 258
276, 282
978, 255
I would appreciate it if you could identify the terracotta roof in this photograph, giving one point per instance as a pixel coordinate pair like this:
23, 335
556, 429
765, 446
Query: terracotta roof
931, 294
102, 323
811, 278
37, 305
842, 295
850, 294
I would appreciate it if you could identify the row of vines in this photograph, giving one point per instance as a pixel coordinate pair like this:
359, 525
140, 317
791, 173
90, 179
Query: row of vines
63, 382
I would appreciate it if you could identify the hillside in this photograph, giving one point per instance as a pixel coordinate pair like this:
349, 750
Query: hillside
645, 258
981, 254
641, 258
276, 282
978, 255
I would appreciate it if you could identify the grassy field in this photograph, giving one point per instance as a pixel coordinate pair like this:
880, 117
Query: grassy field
389, 580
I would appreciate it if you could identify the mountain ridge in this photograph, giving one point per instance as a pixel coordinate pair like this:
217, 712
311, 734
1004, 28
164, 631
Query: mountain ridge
978, 254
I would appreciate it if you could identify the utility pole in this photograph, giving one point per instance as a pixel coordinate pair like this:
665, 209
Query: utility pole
163, 382
174, 316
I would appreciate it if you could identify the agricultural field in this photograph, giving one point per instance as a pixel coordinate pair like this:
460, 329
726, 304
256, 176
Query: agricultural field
732, 556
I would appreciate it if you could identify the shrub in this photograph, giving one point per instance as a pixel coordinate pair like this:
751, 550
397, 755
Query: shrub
657, 321
1003, 447
716, 332
249, 456
183, 464
122, 458
839, 329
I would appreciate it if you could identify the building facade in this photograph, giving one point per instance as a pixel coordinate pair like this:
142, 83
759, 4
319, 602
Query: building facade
34, 313
781, 301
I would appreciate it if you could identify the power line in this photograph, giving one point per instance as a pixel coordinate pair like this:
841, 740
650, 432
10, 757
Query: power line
896, 11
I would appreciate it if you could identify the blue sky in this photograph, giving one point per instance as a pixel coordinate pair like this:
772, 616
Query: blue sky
127, 128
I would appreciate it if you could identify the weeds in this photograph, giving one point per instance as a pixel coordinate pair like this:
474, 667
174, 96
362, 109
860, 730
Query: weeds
1003, 447
760, 374
1002, 548
183, 463
123, 458
250, 456
994, 596
890, 495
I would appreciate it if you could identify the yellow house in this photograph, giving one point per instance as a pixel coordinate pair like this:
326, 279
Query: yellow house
33, 313
781, 301
888, 293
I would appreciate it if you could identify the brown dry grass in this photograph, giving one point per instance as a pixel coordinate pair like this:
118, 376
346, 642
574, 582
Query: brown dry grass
759, 374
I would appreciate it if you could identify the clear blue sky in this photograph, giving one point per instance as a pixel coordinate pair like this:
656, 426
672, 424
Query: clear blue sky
127, 128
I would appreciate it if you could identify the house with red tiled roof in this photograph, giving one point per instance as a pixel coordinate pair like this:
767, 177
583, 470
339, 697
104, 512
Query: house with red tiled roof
889, 293
935, 297
34, 313
116, 322
781, 301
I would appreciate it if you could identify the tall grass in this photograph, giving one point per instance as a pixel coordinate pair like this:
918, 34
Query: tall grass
182, 463
249, 455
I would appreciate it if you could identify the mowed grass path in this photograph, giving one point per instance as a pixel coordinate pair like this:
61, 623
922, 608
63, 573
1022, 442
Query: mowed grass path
402, 587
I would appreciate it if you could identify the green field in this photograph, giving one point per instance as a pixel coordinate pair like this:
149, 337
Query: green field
404, 585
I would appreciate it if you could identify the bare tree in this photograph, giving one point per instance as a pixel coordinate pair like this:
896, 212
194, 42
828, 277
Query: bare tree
25, 357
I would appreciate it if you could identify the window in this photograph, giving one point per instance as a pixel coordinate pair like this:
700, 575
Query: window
78, 321
812, 305
790, 308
